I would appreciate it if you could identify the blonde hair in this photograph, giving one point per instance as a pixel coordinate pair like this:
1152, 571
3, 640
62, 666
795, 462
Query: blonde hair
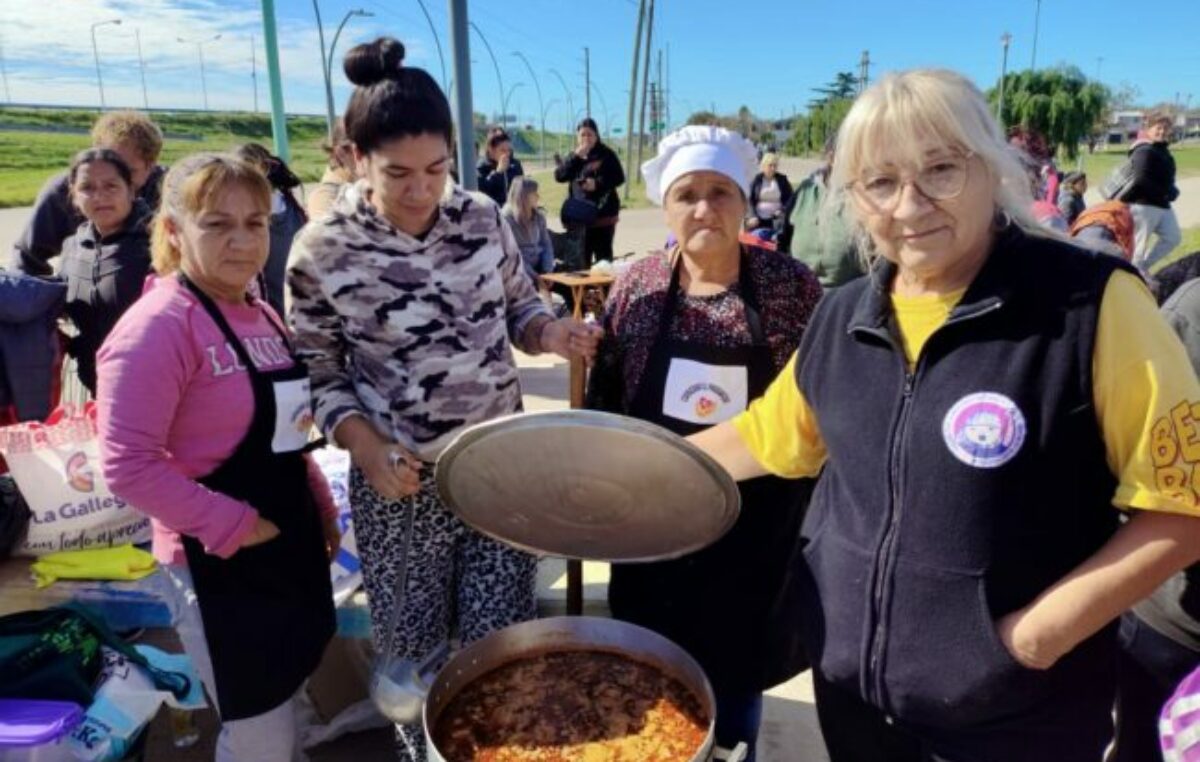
896, 116
131, 128
521, 188
768, 158
190, 187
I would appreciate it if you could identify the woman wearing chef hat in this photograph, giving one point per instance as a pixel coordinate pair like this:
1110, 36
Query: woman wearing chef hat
692, 335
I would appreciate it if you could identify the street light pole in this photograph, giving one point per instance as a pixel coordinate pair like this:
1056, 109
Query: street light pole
436, 41
137, 33
1037, 18
1005, 40
96, 54
329, 63
541, 106
567, 92
324, 71
200, 52
511, 90
4, 73
496, 64
545, 109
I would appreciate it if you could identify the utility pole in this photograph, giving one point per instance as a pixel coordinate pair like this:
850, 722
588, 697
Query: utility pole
660, 112
637, 50
667, 87
645, 84
137, 33
1005, 41
200, 54
254, 73
1037, 19
654, 112
864, 70
278, 116
1099, 63
460, 46
587, 81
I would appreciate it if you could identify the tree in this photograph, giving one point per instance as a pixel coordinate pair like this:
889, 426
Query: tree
704, 117
1060, 103
843, 86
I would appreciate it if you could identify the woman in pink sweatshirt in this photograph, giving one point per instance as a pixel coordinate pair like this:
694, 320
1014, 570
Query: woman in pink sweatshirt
204, 419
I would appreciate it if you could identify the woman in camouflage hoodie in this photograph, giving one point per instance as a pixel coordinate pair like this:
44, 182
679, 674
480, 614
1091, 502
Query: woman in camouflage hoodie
404, 300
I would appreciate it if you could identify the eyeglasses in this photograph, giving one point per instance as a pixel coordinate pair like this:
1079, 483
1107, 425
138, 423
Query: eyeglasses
941, 180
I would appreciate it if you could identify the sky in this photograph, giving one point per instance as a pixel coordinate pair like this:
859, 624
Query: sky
767, 55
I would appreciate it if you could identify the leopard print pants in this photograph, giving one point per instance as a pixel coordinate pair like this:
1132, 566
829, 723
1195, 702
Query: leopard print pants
460, 583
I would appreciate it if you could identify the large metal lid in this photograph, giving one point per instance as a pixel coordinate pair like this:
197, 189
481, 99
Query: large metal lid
589, 485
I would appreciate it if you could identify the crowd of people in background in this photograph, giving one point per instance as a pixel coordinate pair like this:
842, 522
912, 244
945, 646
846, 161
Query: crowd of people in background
985, 377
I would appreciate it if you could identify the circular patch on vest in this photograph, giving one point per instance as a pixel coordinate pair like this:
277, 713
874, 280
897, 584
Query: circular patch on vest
984, 430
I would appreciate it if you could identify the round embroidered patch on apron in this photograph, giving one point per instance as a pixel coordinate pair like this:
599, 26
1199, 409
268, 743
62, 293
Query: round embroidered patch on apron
984, 429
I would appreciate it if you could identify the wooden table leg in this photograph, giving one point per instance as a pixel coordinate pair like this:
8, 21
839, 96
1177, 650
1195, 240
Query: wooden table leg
578, 376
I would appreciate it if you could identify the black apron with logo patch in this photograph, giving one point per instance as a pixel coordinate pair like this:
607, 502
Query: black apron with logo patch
267, 609
721, 604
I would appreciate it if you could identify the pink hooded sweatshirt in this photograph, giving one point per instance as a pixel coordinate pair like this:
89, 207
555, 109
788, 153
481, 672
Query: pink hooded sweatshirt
173, 403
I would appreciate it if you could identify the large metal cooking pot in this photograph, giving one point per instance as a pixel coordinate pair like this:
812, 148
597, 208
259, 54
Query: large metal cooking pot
575, 484
577, 633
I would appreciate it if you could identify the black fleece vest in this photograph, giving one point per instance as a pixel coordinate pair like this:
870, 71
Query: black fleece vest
957, 493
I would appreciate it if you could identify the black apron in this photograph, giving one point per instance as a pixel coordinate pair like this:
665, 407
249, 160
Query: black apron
719, 603
268, 609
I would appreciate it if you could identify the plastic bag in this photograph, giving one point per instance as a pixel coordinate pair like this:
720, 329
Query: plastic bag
127, 701
56, 466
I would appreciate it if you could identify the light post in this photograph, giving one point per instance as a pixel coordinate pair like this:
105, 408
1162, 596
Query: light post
331, 115
504, 105
567, 91
436, 41
200, 52
1037, 17
142, 66
541, 106
496, 64
1005, 40
545, 110
607, 113
96, 54
324, 72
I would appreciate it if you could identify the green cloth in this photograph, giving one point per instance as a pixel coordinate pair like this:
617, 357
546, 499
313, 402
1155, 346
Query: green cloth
828, 252
55, 654
123, 562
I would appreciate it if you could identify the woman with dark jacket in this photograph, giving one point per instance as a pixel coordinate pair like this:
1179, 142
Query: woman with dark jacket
594, 173
498, 167
105, 263
287, 217
770, 194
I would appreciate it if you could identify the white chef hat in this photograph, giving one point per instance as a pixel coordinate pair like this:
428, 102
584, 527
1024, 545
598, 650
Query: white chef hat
697, 148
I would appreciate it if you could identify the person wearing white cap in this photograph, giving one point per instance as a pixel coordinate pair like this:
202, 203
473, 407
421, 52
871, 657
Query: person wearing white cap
691, 336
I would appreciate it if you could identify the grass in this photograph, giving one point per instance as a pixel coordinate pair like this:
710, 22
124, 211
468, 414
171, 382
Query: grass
36, 144
1100, 164
554, 193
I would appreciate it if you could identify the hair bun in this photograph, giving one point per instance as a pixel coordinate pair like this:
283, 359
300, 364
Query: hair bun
373, 62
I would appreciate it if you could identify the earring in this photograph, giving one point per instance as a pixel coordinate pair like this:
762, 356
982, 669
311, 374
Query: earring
1002, 219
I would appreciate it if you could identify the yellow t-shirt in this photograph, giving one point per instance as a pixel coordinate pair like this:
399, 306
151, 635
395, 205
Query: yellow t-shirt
919, 317
1146, 394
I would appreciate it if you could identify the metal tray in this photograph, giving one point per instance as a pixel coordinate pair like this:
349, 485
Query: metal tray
587, 485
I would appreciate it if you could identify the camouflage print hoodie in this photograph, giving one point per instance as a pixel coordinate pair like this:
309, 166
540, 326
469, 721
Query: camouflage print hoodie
412, 334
